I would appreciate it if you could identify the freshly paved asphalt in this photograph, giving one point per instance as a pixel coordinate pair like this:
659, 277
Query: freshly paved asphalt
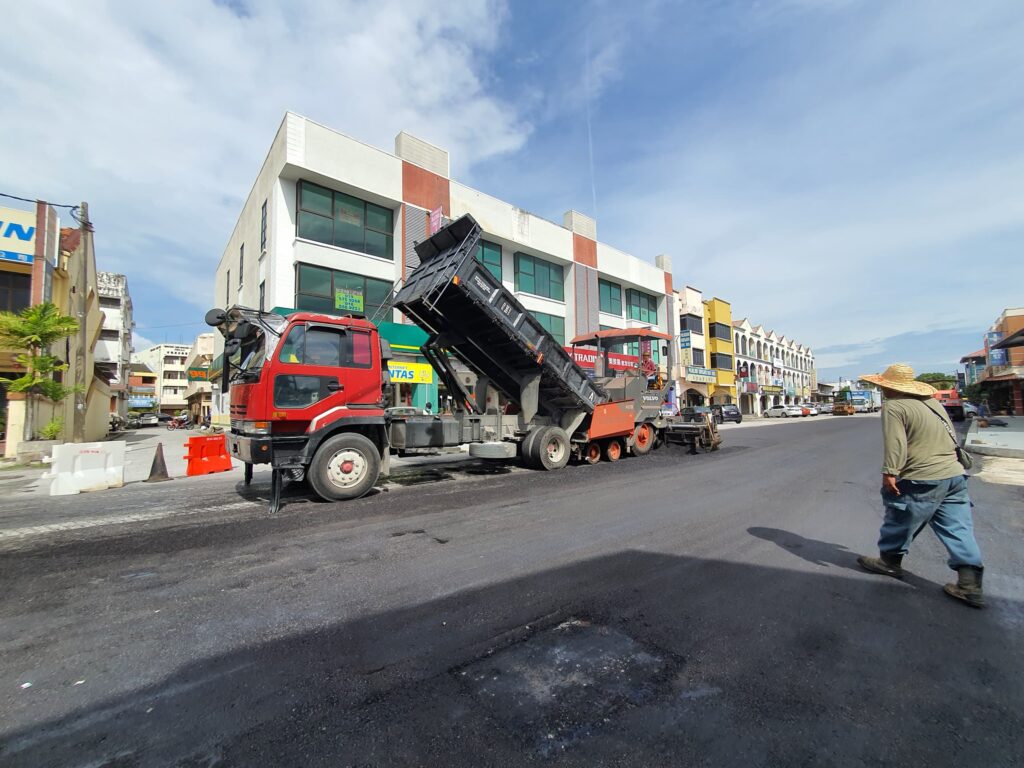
670, 610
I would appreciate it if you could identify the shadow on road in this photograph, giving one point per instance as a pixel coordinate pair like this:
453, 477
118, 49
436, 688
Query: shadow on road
634, 658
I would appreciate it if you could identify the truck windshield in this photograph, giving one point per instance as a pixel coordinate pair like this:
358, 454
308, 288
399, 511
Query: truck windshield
249, 358
859, 401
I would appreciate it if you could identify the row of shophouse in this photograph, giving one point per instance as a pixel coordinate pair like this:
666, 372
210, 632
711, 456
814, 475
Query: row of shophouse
330, 225
999, 365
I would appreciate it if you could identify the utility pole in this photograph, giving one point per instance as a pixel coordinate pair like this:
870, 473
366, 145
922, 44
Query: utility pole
81, 310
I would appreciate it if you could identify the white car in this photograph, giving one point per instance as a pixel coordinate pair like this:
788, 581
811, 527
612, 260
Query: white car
783, 411
812, 409
970, 409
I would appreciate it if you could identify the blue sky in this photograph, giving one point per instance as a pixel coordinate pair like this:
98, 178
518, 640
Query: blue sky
848, 173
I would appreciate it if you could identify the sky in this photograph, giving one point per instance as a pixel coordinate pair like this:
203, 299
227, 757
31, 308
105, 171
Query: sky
848, 173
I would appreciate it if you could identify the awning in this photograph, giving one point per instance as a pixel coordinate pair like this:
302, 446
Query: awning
1013, 340
618, 333
1002, 377
979, 355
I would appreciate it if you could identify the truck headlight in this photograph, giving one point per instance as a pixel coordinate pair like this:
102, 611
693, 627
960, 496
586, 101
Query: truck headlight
256, 427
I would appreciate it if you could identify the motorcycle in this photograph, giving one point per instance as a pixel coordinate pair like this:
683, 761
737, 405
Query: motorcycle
180, 423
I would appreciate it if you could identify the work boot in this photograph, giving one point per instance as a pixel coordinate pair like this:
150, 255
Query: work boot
887, 564
968, 586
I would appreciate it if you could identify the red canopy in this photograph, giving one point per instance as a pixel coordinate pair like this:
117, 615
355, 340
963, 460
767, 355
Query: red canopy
621, 333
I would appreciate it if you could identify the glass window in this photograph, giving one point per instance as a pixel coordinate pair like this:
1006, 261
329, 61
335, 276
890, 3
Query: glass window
720, 331
227, 288
721, 361
642, 306
553, 324
341, 219
263, 295
263, 227
335, 293
610, 297
489, 254
15, 291
241, 263
692, 323
698, 357
326, 347
539, 277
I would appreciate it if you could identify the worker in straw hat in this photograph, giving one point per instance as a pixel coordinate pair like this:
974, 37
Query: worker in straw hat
923, 483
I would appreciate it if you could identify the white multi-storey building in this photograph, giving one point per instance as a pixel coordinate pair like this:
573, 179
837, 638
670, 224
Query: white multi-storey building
167, 361
113, 350
330, 225
770, 369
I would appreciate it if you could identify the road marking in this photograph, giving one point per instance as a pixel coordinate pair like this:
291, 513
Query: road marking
20, 534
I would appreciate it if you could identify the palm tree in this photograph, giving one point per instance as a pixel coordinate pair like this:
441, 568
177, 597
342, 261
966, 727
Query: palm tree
32, 331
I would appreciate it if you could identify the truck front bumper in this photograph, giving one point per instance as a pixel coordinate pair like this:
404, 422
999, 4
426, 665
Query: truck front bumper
251, 450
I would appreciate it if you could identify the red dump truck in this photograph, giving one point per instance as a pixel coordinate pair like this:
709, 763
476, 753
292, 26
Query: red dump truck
307, 391
951, 401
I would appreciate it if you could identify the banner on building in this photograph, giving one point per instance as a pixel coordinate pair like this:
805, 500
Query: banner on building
198, 374
348, 299
587, 358
435, 220
700, 375
410, 373
770, 389
684, 340
17, 235
995, 356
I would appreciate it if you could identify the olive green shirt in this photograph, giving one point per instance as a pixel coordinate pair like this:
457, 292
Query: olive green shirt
916, 444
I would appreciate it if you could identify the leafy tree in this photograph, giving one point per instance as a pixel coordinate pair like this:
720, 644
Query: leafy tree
973, 392
32, 331
939, 380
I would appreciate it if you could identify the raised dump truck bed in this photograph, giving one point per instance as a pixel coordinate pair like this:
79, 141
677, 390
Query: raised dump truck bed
472, 315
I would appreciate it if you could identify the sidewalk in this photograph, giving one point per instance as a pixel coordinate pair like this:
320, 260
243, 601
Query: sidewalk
1007, 441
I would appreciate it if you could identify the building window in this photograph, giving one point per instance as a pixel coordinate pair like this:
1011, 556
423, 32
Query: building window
110, 302
346, 221
692, 323
227, 289
489, 254
698, 357
263, 228
553, 324
721, 361
720, 331
539, 277
241, 263
642, 306
15, 291
337, 293
263, 295
108, 334
610, 297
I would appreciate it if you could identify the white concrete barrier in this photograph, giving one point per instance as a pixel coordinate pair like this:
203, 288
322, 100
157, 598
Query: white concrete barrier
78, 467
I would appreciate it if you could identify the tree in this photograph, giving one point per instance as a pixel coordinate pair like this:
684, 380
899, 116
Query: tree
939, 380
32, 332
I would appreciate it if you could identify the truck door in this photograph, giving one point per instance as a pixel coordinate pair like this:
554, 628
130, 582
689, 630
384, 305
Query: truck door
319, 367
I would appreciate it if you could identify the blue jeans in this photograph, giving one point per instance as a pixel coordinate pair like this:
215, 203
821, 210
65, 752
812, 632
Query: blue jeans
943, 504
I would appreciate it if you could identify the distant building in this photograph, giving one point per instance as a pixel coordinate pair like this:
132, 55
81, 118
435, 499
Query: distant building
974, 366
167, 361
141, 388
114, 348
198, 393
1003, 375
771, 369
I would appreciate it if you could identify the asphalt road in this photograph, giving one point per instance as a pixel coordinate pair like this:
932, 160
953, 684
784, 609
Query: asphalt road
670, 610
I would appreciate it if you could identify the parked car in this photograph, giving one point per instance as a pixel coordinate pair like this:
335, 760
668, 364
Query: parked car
811, 408
697, 412
163, 418
148, 420
783, 411
825, 407
727, 413
970, 410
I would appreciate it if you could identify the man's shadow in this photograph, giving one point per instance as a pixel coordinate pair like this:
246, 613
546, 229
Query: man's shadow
822, 552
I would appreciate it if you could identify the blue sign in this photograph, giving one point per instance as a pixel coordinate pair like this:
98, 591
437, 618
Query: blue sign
141, 402
684, 340
22, 258
995, 356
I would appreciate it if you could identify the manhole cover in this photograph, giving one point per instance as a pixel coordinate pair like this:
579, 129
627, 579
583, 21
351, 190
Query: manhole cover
560, 685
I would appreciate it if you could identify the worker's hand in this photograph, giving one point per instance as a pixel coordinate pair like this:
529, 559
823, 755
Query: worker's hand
889, 485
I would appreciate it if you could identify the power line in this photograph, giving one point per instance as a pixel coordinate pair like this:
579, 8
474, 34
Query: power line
74, 210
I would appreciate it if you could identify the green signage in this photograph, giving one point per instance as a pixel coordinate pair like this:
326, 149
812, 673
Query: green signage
348, 299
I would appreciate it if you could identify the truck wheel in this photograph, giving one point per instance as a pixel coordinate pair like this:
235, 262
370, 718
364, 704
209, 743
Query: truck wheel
526, 447
642, 441
592, 453
550, 449
613, 450
345, 467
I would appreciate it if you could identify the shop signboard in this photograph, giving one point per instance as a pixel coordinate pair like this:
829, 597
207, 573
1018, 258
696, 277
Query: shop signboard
198, 374
700, 375
686, 357
777, 362
771, 389
348, 299
138, 402
586, 359
17, 235
410, 373
684, 340
750, 387
790, 390
995, 356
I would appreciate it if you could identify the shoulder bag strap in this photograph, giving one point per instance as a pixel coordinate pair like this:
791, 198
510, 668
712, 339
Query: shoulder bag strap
949, 429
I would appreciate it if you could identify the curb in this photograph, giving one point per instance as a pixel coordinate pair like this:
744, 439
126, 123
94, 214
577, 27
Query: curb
988, 450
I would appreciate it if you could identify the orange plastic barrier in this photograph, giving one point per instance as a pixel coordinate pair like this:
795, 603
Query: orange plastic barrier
207, 454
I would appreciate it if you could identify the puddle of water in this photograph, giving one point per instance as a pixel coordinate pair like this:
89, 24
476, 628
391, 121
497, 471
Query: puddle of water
559, 686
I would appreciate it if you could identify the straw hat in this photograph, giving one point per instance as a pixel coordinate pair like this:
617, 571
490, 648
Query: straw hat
900, 377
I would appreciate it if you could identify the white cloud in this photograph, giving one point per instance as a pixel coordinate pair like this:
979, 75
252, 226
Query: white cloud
159, 114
